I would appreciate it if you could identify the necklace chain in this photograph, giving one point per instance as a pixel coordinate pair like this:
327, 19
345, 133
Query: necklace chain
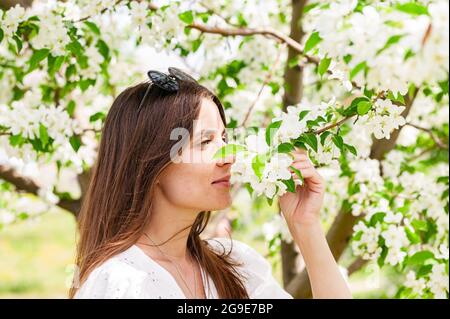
177, 269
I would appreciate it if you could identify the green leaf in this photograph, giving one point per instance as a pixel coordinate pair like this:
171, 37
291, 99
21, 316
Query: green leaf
258, 164
241, 20
271, 131
18, 43
97, 116
36, 58
76, 48
93, 27
324, 136
347, 58
311, 140
358, 235
75, 141
23, 215
302, 114
399, 98
15, 140
404, 293
309, 7
249, 188
274, 86
43, 134
358, 68
364, 107
196, 44
444, 85
338, 141
323, 66
384, 252
70, 107
419, 225
103, 48
369, 93
204, 16
285, 148
391, 41
351, 148
294, 61
353, 108
290, 185
229, 149
412, 8
443, 180
377, 218
1, 35
312, 41
412, 236
54, 63
187, 17
298, 173
85, 84
420, 257
424, 270
70, 71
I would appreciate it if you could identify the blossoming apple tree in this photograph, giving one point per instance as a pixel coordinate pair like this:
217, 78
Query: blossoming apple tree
361, 84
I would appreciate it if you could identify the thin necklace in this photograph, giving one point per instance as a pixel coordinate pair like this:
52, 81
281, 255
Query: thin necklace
178, 271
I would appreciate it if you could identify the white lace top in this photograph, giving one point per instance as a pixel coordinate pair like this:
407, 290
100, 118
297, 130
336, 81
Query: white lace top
133, 274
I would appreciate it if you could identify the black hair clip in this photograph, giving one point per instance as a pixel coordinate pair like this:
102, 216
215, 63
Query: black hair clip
167, 82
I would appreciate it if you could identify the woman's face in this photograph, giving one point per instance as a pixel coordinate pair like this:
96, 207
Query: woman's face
190, 181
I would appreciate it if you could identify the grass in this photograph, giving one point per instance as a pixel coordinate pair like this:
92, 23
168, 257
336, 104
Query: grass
35, 256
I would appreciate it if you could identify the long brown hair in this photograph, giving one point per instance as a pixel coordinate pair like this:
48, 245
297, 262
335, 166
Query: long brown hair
134, 149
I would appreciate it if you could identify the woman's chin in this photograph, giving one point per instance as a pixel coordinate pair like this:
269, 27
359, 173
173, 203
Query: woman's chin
221, 202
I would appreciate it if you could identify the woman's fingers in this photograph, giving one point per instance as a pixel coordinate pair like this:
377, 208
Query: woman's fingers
300, 150
307, 170
302, 164
299, 156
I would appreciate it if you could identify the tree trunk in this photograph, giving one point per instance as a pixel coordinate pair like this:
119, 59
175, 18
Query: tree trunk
293, 90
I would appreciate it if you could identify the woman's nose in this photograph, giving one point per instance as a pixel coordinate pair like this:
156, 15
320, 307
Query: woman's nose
229, 159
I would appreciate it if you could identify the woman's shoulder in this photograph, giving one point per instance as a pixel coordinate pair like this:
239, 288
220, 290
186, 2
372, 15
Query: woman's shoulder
241, 252
252, 263
237, 247
113, 278
254, 267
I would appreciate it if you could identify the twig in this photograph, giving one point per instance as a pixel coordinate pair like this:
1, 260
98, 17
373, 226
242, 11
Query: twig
268, 32
226, 19
328, 127
266, 81
436, 140
429, 149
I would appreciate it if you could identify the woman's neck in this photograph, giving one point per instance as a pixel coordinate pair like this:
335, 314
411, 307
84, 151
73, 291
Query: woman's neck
165, 221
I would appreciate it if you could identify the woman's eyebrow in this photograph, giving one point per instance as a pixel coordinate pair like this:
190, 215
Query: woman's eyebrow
209, 131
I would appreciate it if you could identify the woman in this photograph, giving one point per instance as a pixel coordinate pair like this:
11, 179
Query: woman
150, 197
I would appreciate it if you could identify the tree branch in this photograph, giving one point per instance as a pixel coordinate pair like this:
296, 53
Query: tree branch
266, 80
435, 139
26, 184
356, 265
341, 230
267, 32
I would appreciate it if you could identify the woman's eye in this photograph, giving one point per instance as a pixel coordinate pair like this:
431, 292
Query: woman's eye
225, 139
205, 142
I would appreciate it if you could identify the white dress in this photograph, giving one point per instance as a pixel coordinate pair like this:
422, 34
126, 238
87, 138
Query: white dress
133, 274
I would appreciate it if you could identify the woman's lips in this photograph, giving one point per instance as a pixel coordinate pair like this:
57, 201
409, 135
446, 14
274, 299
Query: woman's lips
222, 184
